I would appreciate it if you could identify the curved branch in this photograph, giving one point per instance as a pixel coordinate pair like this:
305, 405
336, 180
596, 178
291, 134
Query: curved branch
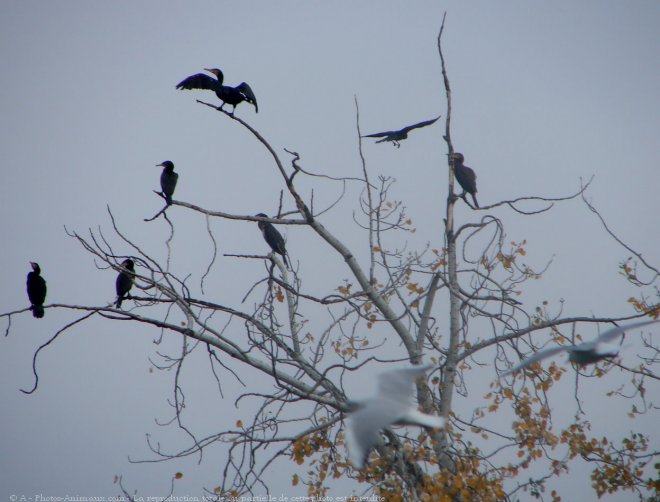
44, 345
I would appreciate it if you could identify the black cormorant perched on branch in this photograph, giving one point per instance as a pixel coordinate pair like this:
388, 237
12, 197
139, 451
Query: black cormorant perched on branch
124, 281
396, 136
227, 94
465, 177
168, 179
36, 290
272, 237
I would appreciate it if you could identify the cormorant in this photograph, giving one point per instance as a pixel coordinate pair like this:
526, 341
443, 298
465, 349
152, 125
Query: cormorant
227, 94
124, 281
396, 136
391, 406
36, 290
272, 237
584, 353
168, 179
465, 177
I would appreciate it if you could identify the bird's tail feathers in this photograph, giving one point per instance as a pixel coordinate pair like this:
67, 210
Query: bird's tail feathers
38, 311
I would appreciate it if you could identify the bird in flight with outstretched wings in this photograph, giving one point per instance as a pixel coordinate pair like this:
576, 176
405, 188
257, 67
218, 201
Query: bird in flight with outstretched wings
397, 136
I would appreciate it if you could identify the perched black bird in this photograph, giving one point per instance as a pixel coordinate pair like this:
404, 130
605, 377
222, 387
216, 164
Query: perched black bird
227, 94
396, 136
36, 290
465, 177
272, 237
168, 179
124, 281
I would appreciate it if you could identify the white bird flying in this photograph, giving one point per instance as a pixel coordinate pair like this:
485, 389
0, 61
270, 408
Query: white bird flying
584, 353
390, 406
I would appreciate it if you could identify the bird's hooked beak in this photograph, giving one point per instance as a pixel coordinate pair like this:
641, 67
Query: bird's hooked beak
33, 265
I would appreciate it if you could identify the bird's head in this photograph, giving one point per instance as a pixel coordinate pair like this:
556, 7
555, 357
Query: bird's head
215, 71
457, 157
128, 264
261, 224
168, 164
35, 266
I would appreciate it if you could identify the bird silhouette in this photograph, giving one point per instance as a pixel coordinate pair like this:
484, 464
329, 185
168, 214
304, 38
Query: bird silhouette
227, 94
36, 290
465, 177
272, 237
397, 136
168, 179
390, 406
124, 281
584, 353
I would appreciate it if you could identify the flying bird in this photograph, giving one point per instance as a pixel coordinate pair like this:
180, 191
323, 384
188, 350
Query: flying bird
465, 177
168, 179
389, 407
396, 136
36, 290
272, 237
584, 353
227, 94
124, 281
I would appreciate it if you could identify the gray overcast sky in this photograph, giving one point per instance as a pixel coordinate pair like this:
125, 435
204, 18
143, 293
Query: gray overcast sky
544, 93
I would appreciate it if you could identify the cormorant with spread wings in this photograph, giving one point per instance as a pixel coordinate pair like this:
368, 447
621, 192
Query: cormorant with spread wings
397, 136
229, 95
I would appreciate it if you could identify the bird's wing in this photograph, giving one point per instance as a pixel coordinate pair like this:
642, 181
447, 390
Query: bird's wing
611, 334
274, 238
398, 384
380, 134
470, 174
415, 417
420, 124
246, 90
198, 81
542, 354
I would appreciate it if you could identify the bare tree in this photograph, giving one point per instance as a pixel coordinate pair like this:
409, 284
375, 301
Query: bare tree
434, 304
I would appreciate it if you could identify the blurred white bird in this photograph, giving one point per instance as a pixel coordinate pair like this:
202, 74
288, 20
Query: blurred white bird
584, 353
390, 406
